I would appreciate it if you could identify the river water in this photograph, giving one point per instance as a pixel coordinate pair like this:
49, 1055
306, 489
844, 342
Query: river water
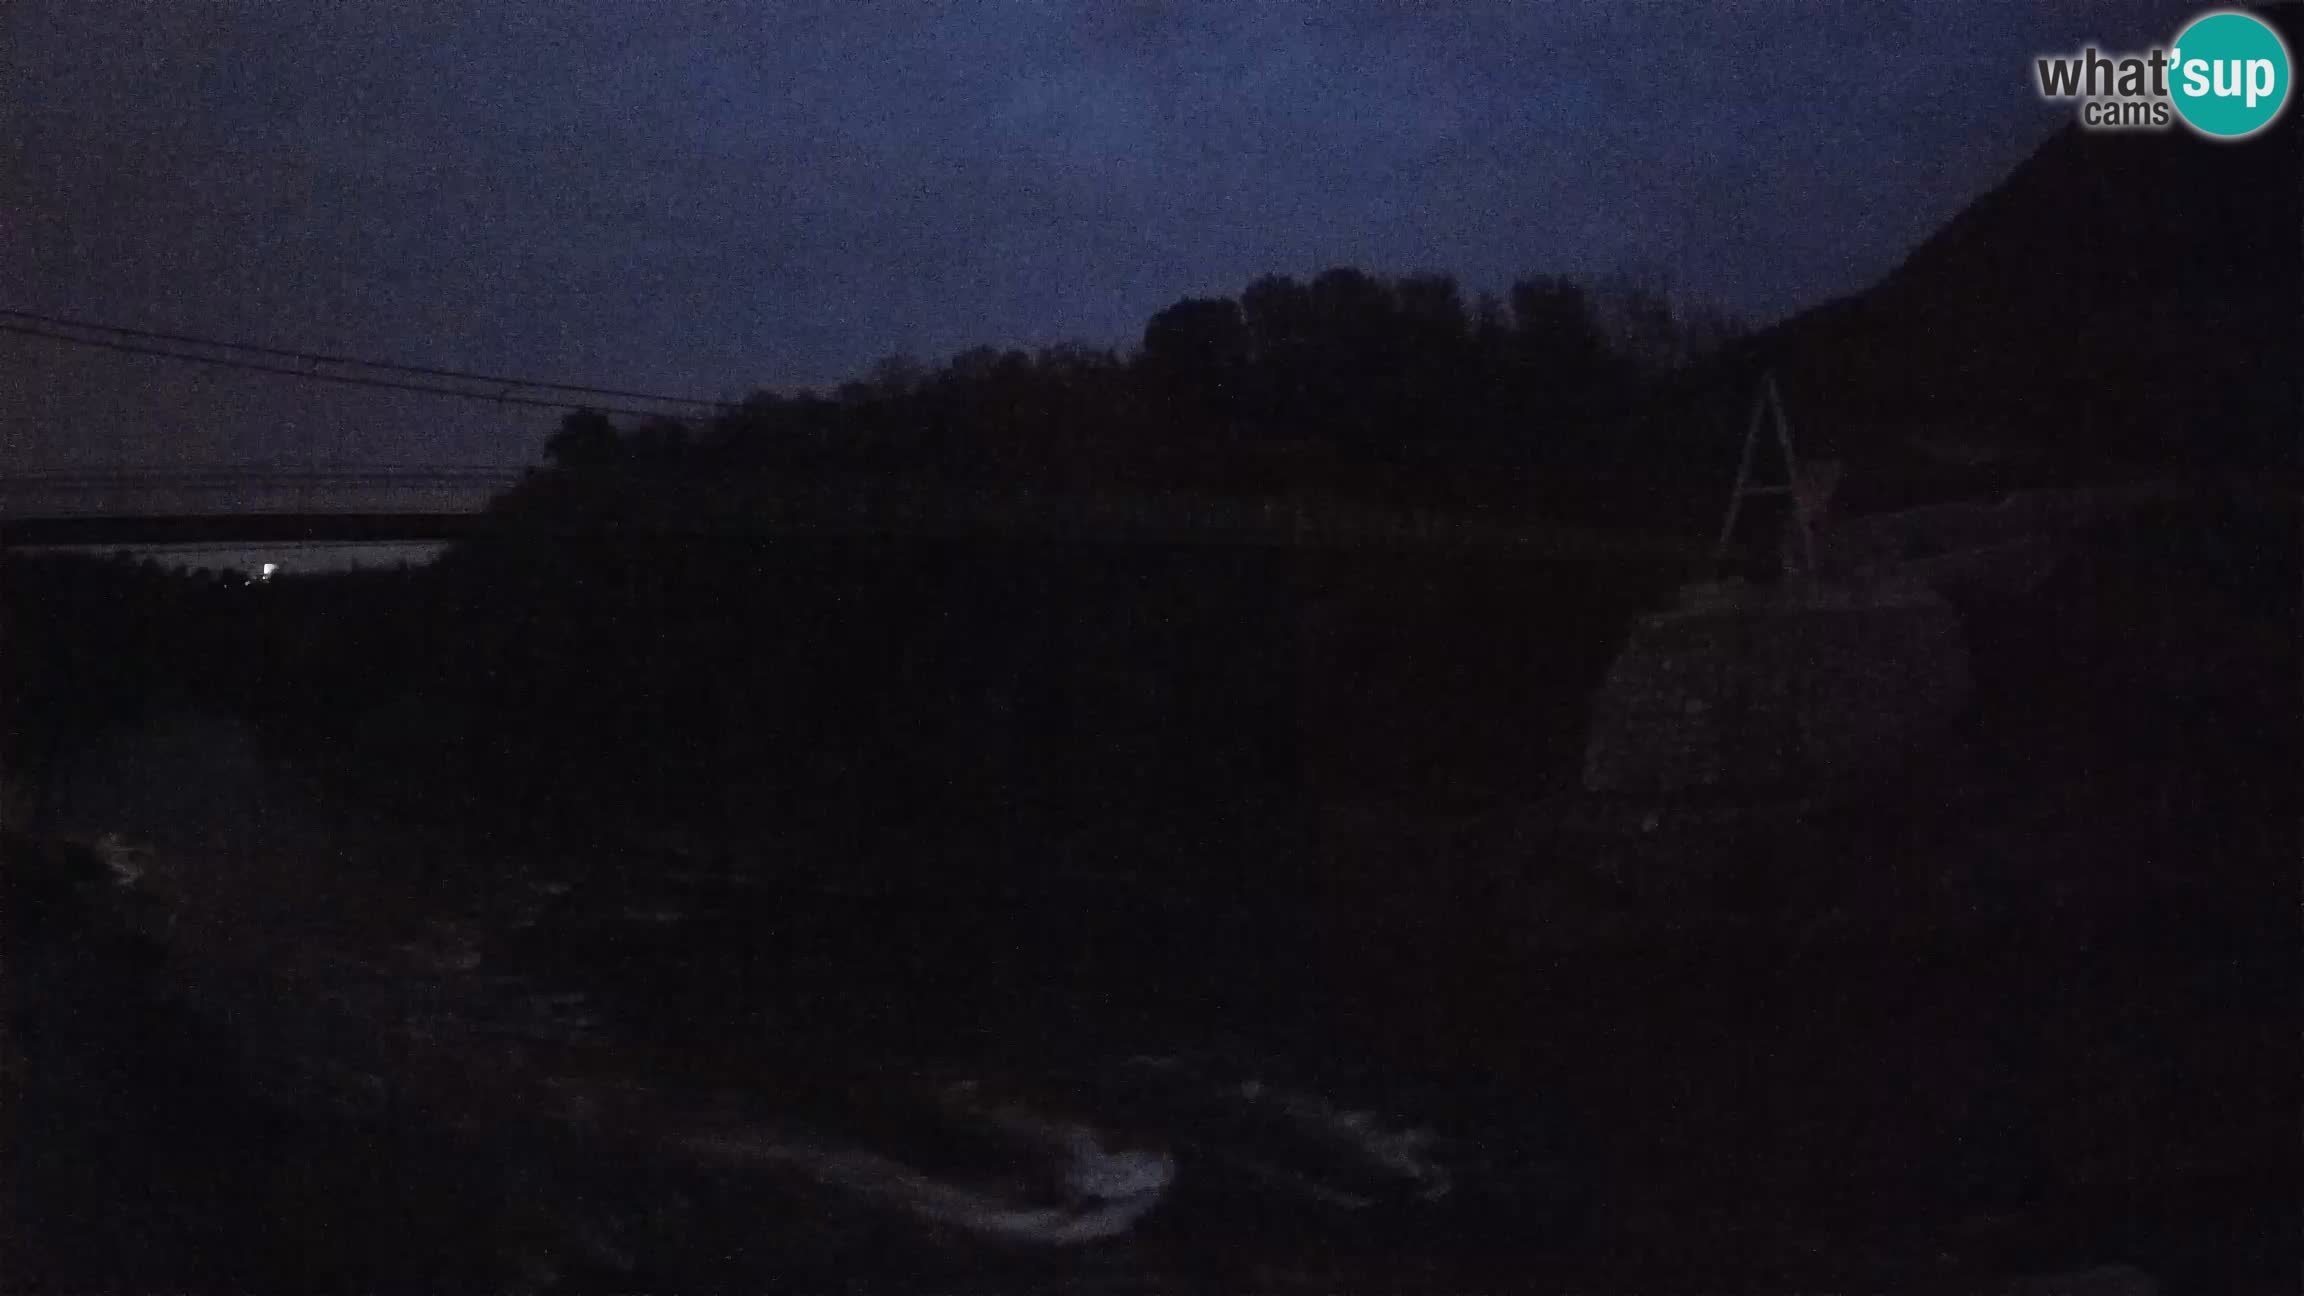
712, 1071
761, 1081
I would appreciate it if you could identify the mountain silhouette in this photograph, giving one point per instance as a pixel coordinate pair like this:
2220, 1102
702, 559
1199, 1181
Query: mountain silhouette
2123, 304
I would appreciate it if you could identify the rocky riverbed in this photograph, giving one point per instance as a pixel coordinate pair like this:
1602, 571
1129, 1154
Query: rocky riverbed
287, 1064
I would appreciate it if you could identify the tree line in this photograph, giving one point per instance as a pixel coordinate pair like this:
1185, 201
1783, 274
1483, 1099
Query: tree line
1345, 374
551, 670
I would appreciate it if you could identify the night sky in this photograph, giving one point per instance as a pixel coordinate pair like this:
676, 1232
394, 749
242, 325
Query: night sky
717, 197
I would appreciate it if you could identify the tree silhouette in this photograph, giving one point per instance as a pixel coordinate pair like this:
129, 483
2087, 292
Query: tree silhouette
586, 439
1196, 354
1360, 373
1557, 340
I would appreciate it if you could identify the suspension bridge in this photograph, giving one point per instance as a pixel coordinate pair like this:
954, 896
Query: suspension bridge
254, 504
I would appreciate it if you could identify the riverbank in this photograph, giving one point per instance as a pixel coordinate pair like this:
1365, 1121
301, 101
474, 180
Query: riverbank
2023, 1004
2061, 1077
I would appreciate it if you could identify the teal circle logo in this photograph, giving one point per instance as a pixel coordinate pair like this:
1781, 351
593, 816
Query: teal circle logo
2228, 75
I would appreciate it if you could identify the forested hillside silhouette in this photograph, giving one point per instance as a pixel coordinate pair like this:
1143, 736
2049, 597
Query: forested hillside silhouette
1391, 389
2122, 305
627, 647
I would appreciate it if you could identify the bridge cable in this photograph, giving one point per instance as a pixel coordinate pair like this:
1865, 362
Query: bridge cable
44, 328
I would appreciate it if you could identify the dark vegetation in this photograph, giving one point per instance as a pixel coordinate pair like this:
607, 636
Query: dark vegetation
1921, 1011
1346, 382
2030, 1003
630, 648
2119, 306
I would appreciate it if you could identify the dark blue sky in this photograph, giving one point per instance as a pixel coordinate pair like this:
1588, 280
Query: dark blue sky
714, 196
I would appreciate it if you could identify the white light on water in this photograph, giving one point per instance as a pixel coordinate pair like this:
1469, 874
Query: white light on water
267, 570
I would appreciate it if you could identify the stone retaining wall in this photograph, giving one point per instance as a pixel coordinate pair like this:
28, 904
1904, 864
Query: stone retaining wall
1761, 698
